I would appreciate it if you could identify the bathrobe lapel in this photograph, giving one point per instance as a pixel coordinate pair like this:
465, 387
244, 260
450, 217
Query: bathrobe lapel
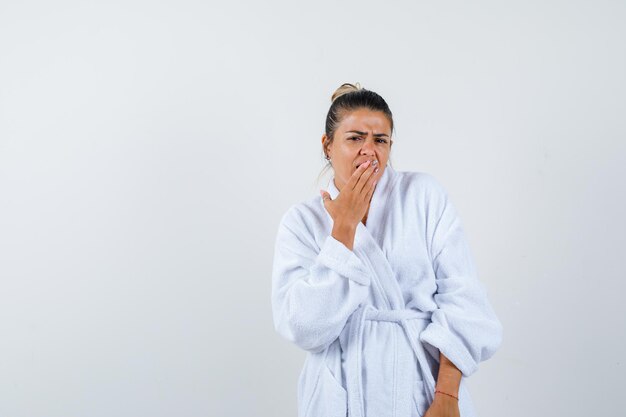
369, 241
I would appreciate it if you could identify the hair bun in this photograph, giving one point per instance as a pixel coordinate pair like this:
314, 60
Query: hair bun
345, 89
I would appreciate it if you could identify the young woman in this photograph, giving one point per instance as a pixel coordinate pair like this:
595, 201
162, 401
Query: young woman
375, 280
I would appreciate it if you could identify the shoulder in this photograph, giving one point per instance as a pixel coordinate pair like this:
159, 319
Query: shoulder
304, 215
422, 183
301, 226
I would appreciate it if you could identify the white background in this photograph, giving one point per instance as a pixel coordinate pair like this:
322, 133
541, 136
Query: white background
149, 148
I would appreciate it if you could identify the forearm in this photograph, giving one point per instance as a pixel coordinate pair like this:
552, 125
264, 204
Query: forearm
449, 377
344, 233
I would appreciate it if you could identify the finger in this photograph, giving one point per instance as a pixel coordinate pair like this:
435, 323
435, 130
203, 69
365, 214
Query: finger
361, 185
357, 174
371, 182
368, 196
325, 196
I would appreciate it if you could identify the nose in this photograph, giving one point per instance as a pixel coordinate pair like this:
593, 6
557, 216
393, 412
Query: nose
368, 147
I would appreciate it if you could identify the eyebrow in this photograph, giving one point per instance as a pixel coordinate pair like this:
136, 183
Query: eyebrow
364, 133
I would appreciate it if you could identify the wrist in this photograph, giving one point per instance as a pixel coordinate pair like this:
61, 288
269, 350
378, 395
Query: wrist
446, 396
448, 385
449, 377
344, 226
344, 233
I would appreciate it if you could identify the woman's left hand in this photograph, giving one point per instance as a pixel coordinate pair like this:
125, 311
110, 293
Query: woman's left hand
443, 406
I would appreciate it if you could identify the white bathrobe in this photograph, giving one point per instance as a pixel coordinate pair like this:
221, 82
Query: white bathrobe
374, 319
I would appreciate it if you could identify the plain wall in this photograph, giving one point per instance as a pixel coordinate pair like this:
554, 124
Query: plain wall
149, 148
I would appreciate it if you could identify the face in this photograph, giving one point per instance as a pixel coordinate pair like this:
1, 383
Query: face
362, 135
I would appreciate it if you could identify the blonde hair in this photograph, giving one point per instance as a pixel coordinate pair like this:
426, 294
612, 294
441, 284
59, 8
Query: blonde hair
345, 88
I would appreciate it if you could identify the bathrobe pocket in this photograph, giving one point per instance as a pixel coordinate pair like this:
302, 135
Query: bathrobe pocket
330, 398
419, 397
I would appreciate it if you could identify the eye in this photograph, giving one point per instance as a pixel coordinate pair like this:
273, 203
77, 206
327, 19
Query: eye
381, 140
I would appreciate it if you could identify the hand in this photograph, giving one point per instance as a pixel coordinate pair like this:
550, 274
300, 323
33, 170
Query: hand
443, 406
352, 203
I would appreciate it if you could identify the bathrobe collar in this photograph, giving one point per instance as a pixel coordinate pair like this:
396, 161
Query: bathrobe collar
376, 214
368, 240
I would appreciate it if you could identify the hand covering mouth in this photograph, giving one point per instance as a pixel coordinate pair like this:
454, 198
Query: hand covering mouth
373, 162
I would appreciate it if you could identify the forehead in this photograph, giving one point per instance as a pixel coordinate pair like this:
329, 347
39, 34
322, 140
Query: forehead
365, 120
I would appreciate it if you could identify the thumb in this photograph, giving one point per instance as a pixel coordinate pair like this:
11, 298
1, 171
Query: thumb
325, 196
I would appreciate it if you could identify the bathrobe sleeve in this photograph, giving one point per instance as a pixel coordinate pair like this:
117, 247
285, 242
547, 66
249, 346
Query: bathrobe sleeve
464, 326
314, 289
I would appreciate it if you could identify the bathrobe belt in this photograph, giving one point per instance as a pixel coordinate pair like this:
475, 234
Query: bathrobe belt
354, 351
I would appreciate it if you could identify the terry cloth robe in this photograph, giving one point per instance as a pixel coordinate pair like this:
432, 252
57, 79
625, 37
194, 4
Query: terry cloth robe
374, 319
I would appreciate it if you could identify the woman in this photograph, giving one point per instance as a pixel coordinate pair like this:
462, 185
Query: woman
376, 282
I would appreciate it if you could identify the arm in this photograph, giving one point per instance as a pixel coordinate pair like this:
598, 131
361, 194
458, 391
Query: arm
464, 326
448, 381
314, 290
344, 234
449, 378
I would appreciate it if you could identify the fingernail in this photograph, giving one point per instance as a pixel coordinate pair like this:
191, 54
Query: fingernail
376, 170
375, 163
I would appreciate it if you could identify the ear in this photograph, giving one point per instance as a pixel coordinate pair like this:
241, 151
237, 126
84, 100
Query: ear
325, 143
